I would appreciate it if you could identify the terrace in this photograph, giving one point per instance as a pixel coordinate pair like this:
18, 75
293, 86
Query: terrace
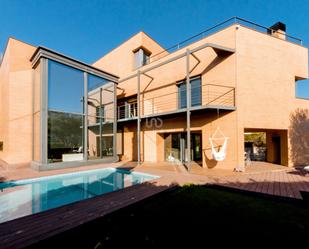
261, 180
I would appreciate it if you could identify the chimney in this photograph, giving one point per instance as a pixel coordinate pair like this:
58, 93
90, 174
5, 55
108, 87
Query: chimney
277, 30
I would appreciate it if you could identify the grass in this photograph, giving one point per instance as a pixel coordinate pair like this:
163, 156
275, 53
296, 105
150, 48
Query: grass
192, 216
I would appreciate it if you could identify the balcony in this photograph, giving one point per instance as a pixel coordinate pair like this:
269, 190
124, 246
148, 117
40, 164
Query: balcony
207, 96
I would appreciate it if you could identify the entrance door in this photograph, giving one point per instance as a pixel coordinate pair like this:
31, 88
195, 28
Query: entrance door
277, 149
182, 149
176, 147
172, 147
196, 145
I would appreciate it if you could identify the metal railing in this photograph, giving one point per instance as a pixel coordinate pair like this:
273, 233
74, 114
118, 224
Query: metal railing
207, 95
217, 27
127, 111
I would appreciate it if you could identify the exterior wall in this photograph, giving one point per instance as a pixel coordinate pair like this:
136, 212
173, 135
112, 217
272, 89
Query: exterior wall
120, 60
263, 70
152, 149
4, 99
266, 71
160, 94
129, 142
16, 103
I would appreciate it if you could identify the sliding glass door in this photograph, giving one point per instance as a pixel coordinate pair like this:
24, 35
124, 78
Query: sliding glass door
176, 147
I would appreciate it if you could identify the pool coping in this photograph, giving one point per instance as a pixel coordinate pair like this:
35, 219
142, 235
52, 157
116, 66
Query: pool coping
41, 178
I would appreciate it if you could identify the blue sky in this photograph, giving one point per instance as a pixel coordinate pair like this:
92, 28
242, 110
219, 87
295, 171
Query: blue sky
88, 29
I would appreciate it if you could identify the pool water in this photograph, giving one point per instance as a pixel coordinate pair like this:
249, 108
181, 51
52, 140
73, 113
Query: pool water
25, 197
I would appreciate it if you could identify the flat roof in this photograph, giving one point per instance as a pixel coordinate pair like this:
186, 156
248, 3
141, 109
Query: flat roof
56, 56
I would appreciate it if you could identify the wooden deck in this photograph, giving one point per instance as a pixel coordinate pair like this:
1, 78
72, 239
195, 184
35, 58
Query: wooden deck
288, 183
260, 178
27, 230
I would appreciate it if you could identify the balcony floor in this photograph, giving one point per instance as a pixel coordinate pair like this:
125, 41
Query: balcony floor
183, 110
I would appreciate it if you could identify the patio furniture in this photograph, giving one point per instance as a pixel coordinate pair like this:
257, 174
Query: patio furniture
221, 154
72, 157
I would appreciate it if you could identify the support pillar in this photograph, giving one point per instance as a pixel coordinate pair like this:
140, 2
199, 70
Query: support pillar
188, 89
138, 118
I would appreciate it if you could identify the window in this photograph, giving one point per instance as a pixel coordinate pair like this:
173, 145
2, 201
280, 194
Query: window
127, 108
99, 114
65, 113
196, 93
145, 58
141, 57
301, 89
100, 117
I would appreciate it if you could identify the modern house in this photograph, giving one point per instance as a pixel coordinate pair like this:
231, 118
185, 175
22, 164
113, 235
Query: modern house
51, 111
180, 105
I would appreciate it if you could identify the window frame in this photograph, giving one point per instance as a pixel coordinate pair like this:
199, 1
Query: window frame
141, 57
183, 83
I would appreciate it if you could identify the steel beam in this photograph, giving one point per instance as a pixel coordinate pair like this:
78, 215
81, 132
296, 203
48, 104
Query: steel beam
177, 57
100, 116
44, 110
115, 122
85, 117
138, 117
188, 86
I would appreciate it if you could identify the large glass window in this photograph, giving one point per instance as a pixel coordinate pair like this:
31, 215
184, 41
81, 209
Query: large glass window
65, 88
196, 91
68, 113
65, 113
100, 117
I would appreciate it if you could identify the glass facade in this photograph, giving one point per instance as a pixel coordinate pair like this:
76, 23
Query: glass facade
65, 113
78, 120
100, 117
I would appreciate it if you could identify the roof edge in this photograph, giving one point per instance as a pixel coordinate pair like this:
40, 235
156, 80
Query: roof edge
51, 54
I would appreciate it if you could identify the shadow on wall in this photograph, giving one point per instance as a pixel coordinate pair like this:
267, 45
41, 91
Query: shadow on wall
211, 163
299, 137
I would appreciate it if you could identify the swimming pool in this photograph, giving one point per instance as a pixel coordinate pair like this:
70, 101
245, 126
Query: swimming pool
24, 197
